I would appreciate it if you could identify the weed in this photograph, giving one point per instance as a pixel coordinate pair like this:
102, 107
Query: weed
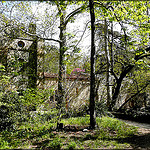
71, 146
4, 144
115, 127
39, 133
55, 144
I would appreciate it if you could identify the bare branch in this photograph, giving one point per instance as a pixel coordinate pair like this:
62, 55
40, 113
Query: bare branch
51, 39
83, 33
138, 57
78, 10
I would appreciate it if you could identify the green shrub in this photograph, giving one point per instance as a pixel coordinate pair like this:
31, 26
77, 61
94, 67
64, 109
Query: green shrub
4, 79
71, 146
11, 110
32, 98
101, 109
55, 144
44, 116
4, 144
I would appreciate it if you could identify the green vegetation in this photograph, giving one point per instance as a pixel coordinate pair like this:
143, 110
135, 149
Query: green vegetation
77, 120
16, 108
37, 133
40, 45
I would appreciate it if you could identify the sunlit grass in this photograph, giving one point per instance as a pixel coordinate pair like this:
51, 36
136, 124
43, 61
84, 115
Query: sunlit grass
76, 121
112, 125
41, 135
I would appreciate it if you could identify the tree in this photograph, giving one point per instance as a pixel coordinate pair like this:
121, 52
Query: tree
92, 74
129, 65
61, 5
107, 61
51, 59
126, 45
122, 52
32, 74
123, 74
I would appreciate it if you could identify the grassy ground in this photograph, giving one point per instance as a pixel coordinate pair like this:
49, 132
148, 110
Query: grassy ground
110, 133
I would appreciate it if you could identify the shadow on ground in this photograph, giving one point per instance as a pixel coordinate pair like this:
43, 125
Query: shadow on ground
137, 141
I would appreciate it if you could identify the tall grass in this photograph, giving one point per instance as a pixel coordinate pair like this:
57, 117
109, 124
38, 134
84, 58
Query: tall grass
40, 133
112, 125
76, 121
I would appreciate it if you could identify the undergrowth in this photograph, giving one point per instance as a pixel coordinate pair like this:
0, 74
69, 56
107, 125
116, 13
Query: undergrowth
42, 134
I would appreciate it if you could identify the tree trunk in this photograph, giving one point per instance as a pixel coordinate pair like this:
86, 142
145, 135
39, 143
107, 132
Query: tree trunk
92, 82
111, 55
61, 5
32, 74
111, 50
118, 85
62, 38
107, 62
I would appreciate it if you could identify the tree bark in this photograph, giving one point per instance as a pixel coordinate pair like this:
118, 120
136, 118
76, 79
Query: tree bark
111, 55
32, 74
107, 62
62, 38
92, 81
118, 86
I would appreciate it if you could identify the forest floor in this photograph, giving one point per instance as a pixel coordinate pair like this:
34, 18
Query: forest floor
90, 138
141, 140
110, 133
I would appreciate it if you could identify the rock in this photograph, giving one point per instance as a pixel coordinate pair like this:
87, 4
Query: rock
85, 130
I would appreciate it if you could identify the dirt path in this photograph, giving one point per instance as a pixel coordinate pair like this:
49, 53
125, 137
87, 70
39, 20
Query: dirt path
137, 124
142, 139
143, 128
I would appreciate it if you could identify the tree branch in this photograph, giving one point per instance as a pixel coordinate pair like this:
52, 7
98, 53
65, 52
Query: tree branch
138, 57
113, 73
133, 96
83, 33
34, 35
78, 10
51, 39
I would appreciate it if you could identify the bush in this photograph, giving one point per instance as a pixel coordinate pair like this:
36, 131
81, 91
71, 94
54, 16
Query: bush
55, 144
11, 110
4, 80
32, 98
16, 108
101, 108
43, 116
72, 145
4, 144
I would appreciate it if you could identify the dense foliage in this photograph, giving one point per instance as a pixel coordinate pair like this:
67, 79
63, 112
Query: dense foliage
51, 69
